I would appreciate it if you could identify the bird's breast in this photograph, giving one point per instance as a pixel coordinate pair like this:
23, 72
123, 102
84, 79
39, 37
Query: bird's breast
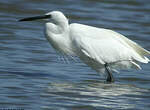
60, 42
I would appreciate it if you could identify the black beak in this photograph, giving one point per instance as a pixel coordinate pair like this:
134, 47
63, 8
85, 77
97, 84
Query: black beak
35, 18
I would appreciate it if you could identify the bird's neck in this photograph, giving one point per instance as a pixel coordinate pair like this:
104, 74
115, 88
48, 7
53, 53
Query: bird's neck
63, 26
58, 36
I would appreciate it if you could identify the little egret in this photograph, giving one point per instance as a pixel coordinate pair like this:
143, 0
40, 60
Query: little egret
102, 49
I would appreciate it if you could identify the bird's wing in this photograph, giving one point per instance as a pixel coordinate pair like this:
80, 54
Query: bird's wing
141, 51
102, 45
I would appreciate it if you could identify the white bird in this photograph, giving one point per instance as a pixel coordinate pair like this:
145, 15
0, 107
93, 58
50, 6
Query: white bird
102, 49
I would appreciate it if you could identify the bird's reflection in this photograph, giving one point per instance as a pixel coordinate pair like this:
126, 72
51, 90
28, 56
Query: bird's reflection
95, 93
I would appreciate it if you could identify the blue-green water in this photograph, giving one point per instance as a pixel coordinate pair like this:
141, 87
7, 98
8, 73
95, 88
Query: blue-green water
34, 77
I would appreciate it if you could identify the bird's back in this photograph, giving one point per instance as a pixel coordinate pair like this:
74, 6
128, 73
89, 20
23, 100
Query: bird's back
104, 45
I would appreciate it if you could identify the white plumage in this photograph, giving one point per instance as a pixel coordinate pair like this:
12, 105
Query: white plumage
103, 45
101, 49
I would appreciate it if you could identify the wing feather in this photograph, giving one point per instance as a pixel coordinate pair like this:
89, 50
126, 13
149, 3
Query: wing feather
105, 46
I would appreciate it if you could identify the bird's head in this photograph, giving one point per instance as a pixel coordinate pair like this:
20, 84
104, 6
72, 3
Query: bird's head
56, 16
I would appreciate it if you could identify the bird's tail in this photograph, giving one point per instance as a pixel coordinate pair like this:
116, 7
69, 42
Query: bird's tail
142, 52
139, 50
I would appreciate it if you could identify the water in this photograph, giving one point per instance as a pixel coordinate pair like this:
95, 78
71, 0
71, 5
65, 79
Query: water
32, 75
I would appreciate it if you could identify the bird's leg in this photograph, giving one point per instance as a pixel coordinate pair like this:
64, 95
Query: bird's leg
109, 74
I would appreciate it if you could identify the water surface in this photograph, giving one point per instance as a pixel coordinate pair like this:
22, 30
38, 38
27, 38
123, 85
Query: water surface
34, 77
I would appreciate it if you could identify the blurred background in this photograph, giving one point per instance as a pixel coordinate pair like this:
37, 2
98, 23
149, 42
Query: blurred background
34, 77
